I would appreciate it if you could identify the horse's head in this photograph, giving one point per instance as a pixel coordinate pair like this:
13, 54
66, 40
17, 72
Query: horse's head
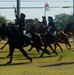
69, 28
3, 30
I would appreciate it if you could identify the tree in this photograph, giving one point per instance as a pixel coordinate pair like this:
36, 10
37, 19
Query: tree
62, 20
2, 19
31, 22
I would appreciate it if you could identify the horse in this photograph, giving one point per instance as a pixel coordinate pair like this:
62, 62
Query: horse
28, 41
69, 28
64, 38
39, 40
60, 37
41, 29
35, 32
14, 41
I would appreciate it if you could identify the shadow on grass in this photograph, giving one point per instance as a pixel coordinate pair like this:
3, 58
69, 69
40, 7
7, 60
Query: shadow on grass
47, 56
14, 64
2, 57
37, 57
58, 64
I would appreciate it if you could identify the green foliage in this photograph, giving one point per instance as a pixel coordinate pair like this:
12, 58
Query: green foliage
30, 23
2, 19
62, 20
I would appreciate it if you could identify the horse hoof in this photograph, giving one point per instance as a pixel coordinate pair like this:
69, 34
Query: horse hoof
73, 49
56, 53
41, 56
30, 59
48, 52
7, 56
8, 63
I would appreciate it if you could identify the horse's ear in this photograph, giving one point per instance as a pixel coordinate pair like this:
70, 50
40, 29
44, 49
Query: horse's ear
3, 23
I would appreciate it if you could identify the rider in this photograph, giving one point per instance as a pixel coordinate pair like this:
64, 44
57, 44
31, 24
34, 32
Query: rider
51, 26
44, 20
20, 23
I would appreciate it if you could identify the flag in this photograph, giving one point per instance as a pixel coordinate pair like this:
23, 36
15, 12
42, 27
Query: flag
46, 7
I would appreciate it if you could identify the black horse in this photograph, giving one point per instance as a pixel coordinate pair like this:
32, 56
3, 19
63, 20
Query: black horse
40, 40
69, 28
12, 34
14, 40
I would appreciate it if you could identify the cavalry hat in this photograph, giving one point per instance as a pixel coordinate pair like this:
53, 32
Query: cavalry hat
23, 15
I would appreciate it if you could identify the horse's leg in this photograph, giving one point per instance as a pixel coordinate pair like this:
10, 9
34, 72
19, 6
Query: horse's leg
11, 54
42, 54
4, 45
46, 51
30, 48
66, 41
69, 45
43, 50
25, 54
8, 55
53, 49
59, 47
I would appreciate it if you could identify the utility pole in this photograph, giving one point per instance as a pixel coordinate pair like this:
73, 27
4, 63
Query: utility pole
18, 7
44, 8
73, 16
73, 7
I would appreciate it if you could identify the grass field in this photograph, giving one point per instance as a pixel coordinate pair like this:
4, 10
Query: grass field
47, 65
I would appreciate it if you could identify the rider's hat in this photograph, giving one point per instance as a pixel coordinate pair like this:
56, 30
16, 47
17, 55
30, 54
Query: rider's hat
23, 15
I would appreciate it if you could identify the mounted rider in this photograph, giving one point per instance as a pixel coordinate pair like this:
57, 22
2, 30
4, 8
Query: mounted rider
20, 23
51, 30
51, 26
44, 21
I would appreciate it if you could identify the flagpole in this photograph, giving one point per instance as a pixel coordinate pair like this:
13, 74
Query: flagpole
45, 13
44, 9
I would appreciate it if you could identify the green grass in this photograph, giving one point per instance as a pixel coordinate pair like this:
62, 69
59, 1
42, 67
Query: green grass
47, 65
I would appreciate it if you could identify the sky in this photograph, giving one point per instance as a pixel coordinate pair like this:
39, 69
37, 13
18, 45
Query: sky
36, 13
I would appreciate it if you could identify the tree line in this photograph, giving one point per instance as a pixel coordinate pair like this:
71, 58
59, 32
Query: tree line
60, 20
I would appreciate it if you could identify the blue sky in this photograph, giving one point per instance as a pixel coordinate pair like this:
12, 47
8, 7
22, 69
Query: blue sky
36, 13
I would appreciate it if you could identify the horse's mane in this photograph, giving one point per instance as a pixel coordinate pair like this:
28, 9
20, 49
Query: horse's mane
11, 31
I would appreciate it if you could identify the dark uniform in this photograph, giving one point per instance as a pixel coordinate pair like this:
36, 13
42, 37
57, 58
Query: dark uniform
51, 26
44, 20
20, 24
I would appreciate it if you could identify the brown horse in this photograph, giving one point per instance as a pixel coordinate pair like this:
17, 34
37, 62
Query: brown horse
59, 38
65, 39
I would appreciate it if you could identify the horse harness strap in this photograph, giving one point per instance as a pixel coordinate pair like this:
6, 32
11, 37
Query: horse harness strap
41, 39
58, 38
